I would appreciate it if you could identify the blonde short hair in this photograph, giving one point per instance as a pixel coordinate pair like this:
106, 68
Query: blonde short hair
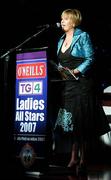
74, 14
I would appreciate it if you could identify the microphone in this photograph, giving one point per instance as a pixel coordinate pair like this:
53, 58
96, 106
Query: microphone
58, 25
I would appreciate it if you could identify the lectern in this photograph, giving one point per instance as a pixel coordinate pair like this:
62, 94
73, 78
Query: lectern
30, 122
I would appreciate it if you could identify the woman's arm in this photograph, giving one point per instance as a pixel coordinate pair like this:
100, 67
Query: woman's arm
88, 54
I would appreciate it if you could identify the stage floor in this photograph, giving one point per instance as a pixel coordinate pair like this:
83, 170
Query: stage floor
94, 172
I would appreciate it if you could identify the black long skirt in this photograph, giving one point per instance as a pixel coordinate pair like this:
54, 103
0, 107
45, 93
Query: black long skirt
81, 112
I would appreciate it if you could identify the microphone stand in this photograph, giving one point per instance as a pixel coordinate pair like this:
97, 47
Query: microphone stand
5, 77
24, 42
6, 55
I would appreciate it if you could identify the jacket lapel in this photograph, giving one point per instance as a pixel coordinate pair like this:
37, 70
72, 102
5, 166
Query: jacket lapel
76, 36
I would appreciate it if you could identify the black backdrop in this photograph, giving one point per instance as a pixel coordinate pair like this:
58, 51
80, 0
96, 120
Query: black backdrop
19, 20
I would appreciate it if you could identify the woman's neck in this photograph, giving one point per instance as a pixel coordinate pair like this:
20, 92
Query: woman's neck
67, 41
69, 34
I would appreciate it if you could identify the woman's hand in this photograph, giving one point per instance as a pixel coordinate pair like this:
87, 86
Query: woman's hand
76, 71
63, 74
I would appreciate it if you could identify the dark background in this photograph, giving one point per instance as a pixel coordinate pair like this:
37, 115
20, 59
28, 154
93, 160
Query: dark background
19, 20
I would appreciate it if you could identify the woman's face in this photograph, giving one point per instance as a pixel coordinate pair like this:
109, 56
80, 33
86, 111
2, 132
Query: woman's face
67, 23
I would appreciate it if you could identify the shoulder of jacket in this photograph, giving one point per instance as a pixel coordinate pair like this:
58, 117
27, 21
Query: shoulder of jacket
80, 32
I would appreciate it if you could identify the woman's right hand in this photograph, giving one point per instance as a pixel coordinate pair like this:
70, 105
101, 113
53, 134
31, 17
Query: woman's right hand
63, 74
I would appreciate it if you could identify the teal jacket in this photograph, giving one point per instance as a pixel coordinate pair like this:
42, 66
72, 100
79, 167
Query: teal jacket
81, 47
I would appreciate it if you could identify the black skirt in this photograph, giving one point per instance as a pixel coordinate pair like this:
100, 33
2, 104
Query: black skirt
81, 112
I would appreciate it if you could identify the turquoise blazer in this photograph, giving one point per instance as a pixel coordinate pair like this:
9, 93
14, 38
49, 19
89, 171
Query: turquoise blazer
81, 47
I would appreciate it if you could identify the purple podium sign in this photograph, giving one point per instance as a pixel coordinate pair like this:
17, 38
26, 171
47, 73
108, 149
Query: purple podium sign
30, 105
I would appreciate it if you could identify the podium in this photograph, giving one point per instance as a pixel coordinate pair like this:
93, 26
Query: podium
31, 132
